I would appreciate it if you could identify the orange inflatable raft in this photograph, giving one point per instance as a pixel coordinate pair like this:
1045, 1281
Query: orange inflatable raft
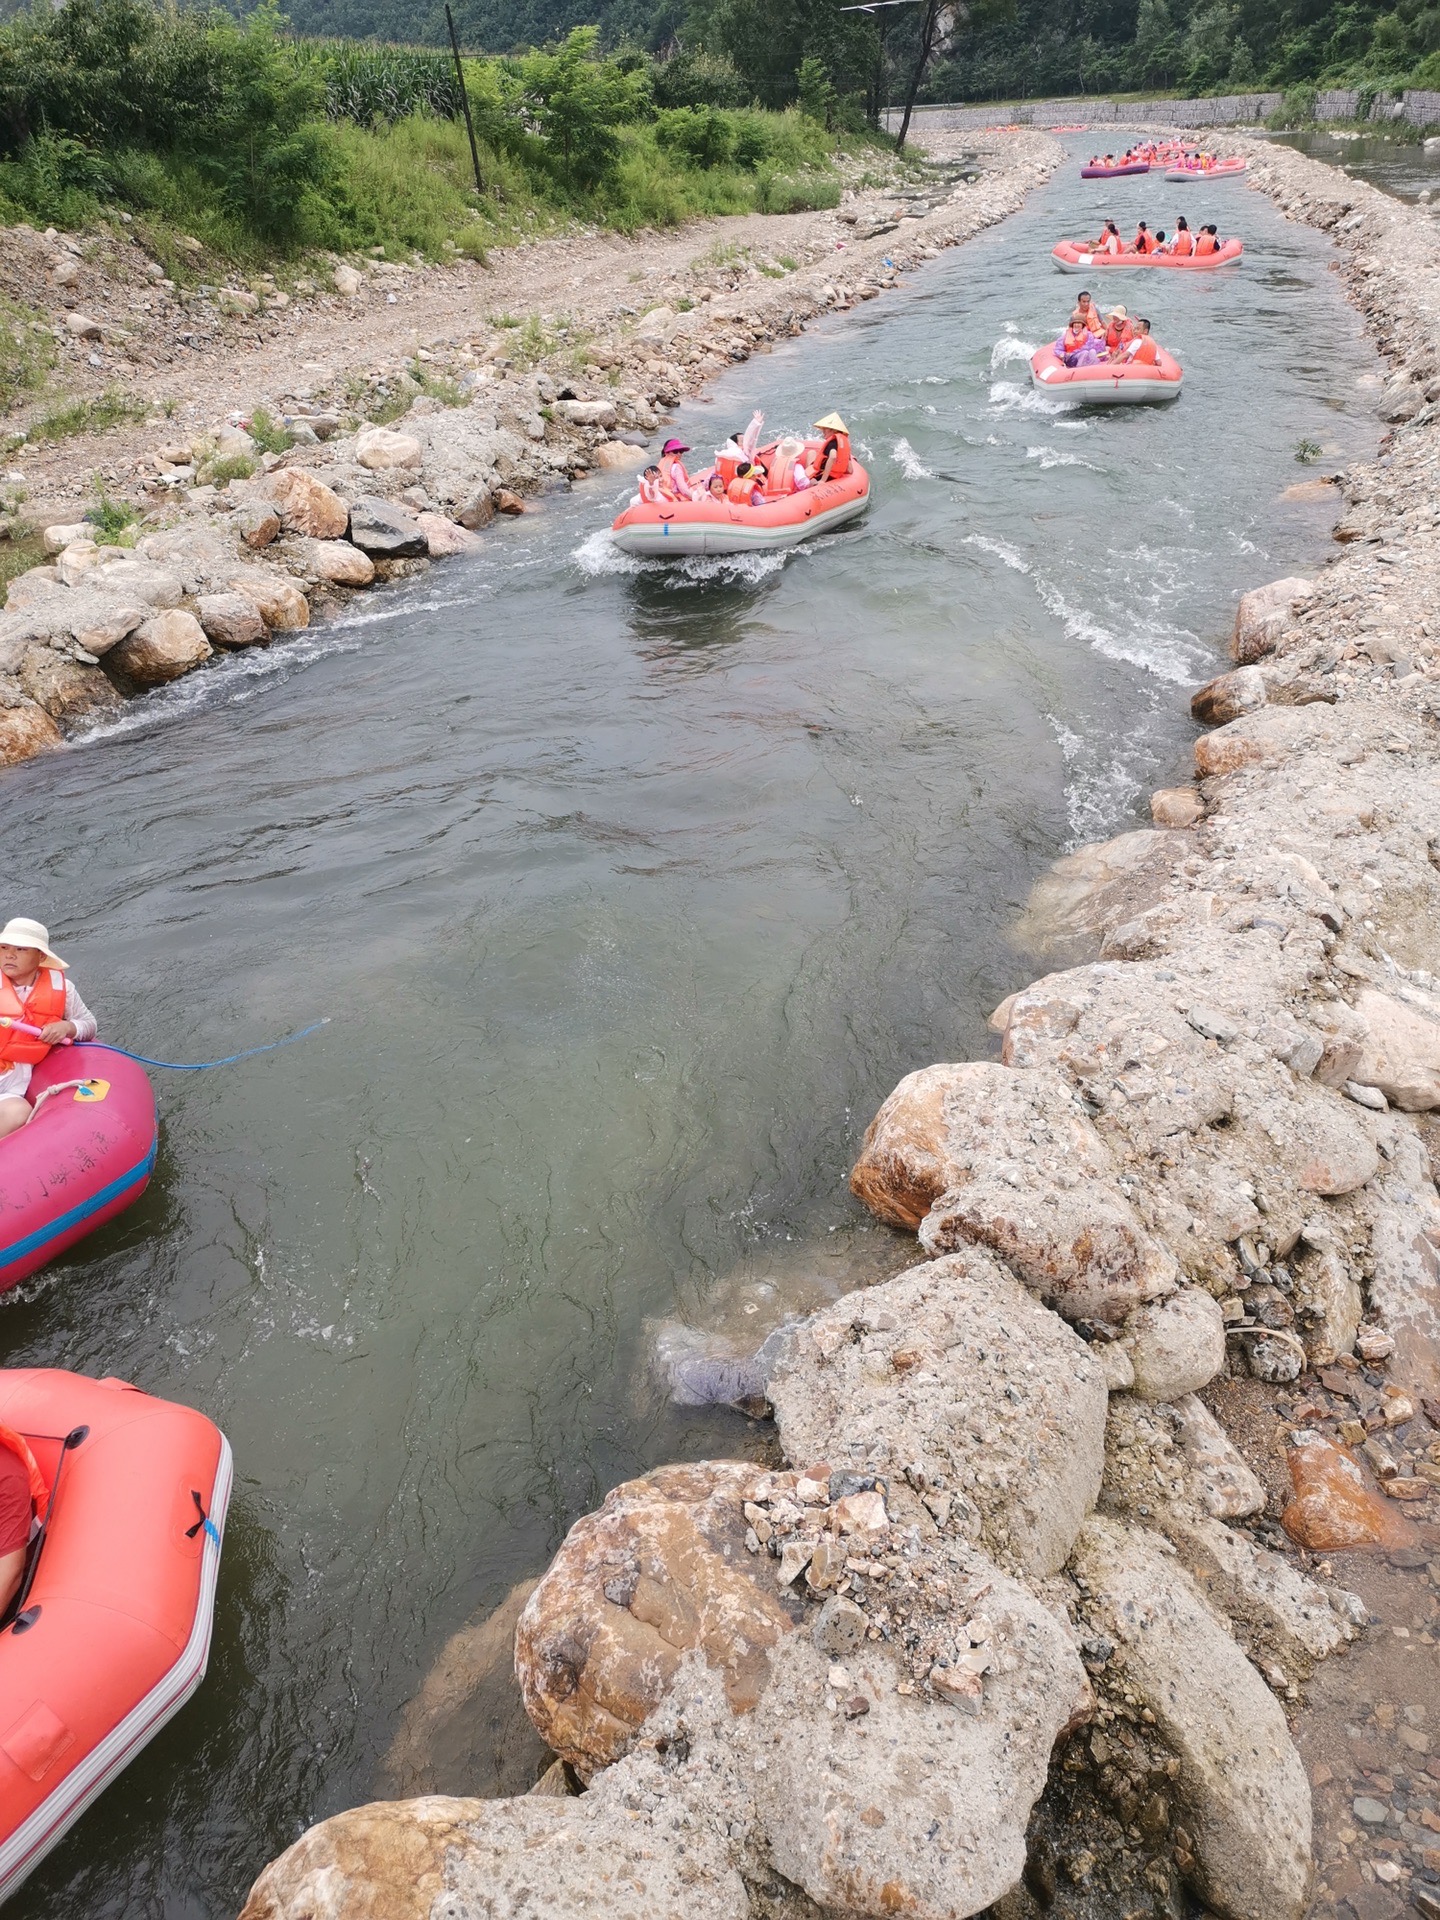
1108, 383
676, 527
1217, 170
110, 1632
1071, 257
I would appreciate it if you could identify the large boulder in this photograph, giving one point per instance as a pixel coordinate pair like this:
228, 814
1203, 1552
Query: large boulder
65, 688
1227, 696
1242, 1784
277, 599
306, 505
167, 645
385, 532
1264, 616
1176, 1346
142, 580
500, 1860
1335, 1508
379, 449
342, 564
230, 619
25, 730
992, 1156
984, 1400
1401, 1051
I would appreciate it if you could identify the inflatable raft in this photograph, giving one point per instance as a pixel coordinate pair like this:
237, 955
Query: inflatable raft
1108, 383
110, 1634
716, 526
84, 1156
1114, 173
1221, 170
1071, 257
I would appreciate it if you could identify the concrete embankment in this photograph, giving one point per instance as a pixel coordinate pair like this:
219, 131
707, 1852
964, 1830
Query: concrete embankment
218, 564
1017, 1612
1414, 106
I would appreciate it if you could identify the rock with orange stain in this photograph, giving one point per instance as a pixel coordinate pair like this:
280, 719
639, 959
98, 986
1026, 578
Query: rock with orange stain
1335, 1506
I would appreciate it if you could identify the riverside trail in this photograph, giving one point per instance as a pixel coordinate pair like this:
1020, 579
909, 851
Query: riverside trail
632, 890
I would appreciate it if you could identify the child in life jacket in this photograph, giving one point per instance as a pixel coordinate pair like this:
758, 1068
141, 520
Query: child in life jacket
35, 993
651, 491
745, 489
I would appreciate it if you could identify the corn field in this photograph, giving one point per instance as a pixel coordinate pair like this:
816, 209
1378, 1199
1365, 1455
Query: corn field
369, 83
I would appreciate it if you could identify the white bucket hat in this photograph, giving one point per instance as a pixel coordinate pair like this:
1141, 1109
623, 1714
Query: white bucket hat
30, 933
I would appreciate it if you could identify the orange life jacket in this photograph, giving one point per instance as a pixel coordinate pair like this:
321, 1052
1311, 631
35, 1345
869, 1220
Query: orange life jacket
1184, 243
840, 465
1117, 337
1145, 351
46, 1003
1144, 243
1207, 244
18, 1445
741, 490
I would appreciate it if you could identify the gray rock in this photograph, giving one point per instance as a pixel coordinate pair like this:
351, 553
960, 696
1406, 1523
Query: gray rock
1177, 1345
1245, 1795
383, 531
973, 1389
1371, 1812
230, 620
839, 1627
1211, 1024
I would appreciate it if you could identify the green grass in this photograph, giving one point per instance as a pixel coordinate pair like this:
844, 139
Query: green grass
27, 352
113, 408
18, 556
230, 466
268, 434
111, 519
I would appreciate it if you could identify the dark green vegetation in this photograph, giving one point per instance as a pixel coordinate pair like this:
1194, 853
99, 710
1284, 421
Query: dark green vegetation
737, 50
199, 125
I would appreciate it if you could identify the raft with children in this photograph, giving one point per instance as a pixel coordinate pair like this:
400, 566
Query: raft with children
752, 499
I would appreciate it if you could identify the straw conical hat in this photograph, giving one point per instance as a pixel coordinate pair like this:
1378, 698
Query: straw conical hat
832, 423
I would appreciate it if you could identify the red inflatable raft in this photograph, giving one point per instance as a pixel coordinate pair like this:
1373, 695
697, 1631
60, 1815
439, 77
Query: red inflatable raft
1109, 383
1071, 257
1217, 170
112, 1631
1114, 173
84, 1156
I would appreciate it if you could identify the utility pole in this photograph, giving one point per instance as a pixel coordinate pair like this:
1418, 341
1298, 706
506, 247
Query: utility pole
464, 98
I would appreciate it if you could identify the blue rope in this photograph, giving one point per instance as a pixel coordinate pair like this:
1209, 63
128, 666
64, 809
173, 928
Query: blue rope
204, 1066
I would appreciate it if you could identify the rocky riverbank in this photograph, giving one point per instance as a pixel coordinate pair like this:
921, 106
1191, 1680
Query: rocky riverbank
1021, 1617
232, 544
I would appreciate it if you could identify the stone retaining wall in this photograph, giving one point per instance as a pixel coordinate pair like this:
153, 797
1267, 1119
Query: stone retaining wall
1227, 110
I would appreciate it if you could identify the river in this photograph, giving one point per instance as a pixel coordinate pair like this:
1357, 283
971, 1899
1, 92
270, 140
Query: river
630, 893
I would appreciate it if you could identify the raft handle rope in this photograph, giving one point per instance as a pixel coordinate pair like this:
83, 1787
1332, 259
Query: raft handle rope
212, 1532
175, 1066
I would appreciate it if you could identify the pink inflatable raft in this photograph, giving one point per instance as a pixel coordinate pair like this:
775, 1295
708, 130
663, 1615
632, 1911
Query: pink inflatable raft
1108, 383
1217, 170
85, 1154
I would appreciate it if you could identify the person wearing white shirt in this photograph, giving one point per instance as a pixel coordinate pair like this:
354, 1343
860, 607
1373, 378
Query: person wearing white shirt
34, 992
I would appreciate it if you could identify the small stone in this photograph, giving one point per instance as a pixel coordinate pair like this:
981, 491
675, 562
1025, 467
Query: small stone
1273, 1355
1374, 1345
1334, 1506
347, 281
257, 524
380, 449
164, 647
385, 532
861, 1513
961, 1688
342, 564
444, 537
230, 620
83, 327
827, 1563
507, 502
856, 1706
1176, 807
1406, 1489
1373, 1813
1213, 1025
839, 1627
794, 1558
1370, 1097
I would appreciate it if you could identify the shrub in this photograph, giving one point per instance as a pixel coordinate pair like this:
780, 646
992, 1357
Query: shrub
269, 435
698, 80
111, 519
1296, 109
575, 102
700, 135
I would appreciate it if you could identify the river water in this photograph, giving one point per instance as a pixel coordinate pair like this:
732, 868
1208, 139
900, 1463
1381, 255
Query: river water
630, 893
1401, 168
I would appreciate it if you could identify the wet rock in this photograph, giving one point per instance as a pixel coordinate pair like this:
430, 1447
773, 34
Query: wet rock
1082, 896
1263, 617
618, 456
970, 1387
380, 449
1334, 1507
230, 619
486, 1859
385, 532
1265, 739
659, 1570
64, 688
1242, 1787
166, 646
278, 601
25, 730
1176, 1345
1175, 807
944, 1153
1401, 1051
305, 505
1281, 1614
342, 564
467, 1731
1228, 696
444, 537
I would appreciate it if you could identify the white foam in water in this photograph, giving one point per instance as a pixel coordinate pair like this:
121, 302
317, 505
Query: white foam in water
1100, 792
1157, 652
1051, 457
1013, 398
1005, 352
909, 462
597, 555
1007, 555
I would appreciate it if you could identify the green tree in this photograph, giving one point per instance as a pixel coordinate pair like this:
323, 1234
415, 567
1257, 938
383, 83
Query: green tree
574, 100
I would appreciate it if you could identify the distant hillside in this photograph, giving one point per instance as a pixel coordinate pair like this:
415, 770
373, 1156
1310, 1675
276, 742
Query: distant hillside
489, 26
